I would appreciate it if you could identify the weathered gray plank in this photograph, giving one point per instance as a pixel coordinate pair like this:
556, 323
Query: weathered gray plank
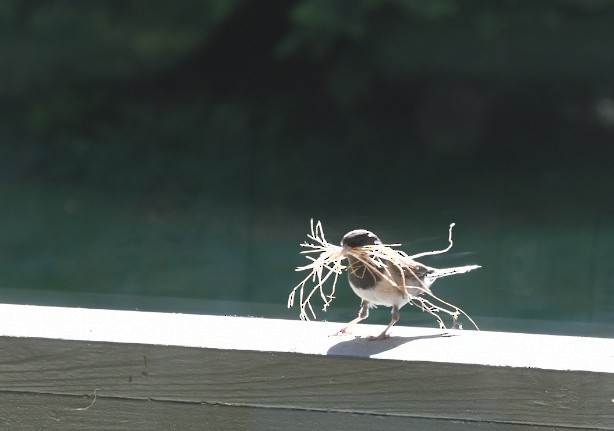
27, 412
440, 391
272, 369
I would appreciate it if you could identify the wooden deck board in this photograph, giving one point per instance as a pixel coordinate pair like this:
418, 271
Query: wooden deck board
26, 412
254, 334
206, 363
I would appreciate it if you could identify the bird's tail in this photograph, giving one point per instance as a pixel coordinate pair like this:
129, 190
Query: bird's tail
444, 272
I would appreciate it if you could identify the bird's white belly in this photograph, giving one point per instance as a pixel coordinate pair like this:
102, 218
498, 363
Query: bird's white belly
384, 294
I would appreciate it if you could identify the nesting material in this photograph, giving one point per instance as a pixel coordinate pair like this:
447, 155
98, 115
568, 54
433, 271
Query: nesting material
327, 263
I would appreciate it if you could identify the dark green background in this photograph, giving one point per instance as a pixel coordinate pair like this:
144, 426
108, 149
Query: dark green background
168, 155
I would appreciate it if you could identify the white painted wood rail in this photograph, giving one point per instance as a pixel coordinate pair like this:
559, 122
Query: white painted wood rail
81, 369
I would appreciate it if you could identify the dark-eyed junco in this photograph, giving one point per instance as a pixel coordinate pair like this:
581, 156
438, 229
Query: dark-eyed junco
375, 288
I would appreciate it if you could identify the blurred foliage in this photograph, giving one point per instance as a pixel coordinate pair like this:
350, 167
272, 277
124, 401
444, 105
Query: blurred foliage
441, 76
499, 114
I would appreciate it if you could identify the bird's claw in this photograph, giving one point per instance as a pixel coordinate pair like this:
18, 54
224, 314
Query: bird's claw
343, 331
381, 336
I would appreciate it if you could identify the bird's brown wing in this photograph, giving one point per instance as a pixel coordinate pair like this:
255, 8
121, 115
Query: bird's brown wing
412, 275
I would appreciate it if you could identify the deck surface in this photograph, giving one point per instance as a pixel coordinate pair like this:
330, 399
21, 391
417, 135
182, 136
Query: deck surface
154, 370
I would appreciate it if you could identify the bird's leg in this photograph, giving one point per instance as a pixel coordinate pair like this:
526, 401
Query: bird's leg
362, 315
395, 319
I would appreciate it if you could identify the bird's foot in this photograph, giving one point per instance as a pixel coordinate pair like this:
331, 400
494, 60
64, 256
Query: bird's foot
343, 331
381, 336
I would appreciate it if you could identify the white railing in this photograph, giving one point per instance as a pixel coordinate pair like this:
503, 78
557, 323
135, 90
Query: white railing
71, 368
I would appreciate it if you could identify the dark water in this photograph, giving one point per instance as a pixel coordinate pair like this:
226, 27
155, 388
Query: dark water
64, 245
170, 159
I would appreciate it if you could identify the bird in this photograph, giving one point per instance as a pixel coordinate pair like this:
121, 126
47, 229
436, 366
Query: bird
375, 288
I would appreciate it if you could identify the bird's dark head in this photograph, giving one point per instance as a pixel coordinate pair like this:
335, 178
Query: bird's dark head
359, 238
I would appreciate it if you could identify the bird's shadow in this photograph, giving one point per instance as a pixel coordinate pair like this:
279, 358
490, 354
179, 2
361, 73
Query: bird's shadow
364, 348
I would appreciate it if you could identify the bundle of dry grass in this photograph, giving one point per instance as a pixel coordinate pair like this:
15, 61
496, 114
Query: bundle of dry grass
381, 259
